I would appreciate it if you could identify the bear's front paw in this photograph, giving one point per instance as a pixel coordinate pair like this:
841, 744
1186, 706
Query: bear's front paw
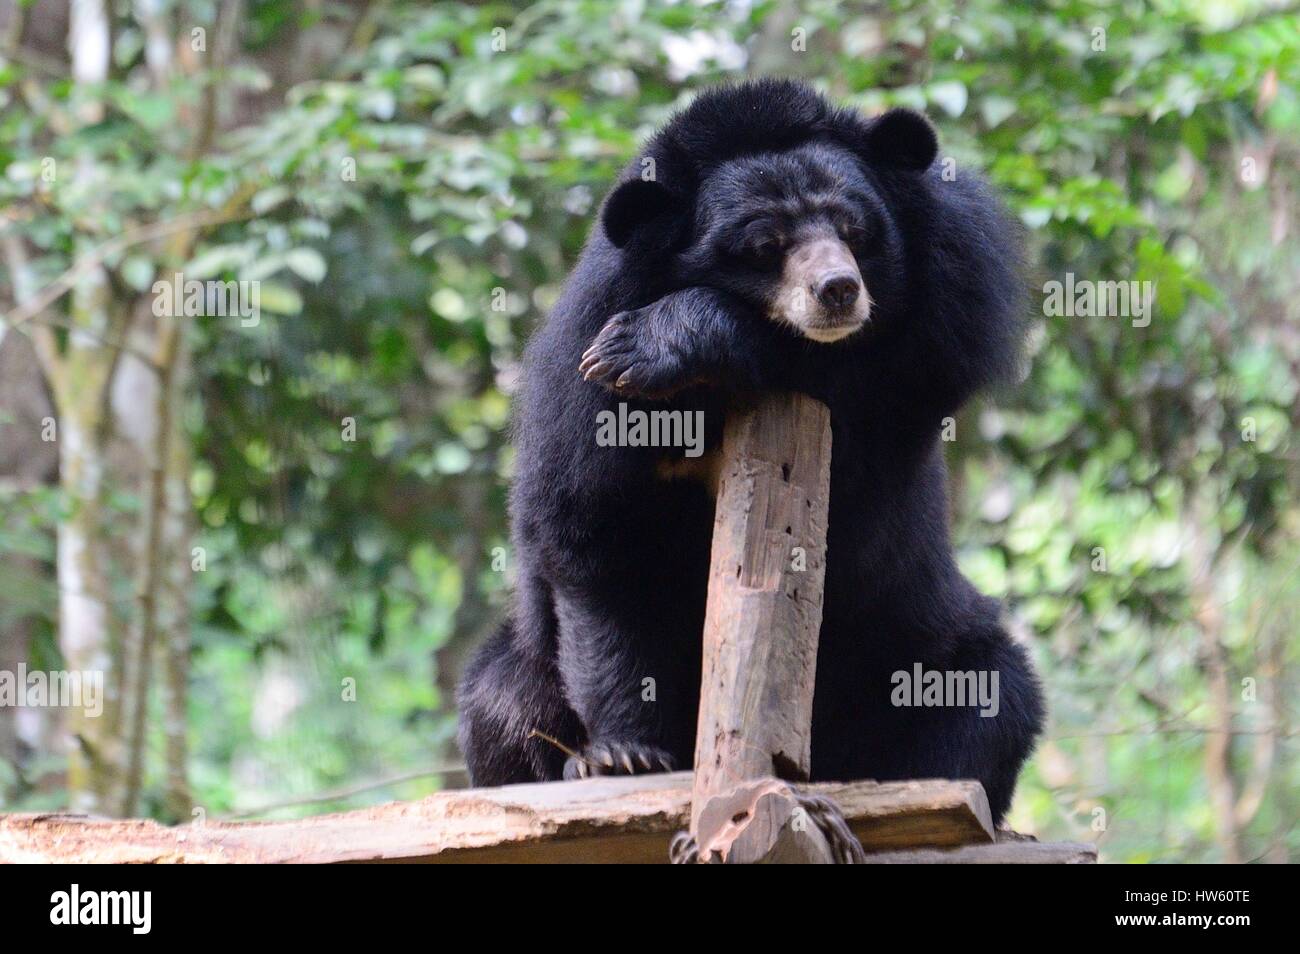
617, 758
628, 358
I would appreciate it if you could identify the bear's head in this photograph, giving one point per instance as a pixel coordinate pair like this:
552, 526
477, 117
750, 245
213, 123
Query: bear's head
806, 232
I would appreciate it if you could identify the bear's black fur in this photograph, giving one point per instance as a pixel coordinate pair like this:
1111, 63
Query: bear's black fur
669, 307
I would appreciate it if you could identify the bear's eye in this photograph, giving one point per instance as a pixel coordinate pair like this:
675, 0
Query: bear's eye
765, 251
852, 234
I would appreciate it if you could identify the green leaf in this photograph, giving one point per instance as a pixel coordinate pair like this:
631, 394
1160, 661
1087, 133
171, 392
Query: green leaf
949, 96
307, 263
268, 199
280, 299
215, 260
137, 271
994, 109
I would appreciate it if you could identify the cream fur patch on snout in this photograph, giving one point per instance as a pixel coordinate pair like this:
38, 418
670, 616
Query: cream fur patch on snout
806, 267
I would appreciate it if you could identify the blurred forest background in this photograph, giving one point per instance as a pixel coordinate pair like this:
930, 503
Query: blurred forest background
281, 540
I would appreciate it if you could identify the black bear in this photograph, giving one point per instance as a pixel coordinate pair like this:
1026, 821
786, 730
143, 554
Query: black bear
764, 240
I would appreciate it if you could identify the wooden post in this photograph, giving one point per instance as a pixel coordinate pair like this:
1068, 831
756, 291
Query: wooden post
760, 633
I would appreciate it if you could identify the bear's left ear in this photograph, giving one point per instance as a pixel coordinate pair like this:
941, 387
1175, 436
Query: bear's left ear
640, 206
902, 138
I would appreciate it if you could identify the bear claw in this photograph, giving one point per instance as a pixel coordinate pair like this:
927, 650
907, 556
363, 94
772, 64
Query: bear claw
617, 758
624, 359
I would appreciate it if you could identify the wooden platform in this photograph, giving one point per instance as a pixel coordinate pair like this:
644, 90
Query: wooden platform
626, 820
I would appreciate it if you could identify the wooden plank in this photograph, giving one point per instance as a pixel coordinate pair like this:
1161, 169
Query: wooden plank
1005, 852
763, 615
915, 814
608, 819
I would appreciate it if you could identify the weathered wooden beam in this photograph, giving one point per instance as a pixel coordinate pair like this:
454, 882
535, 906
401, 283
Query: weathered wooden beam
614, 819
1009, 849
761, 625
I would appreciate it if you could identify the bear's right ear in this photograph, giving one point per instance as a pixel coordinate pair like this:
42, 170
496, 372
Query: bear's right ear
638, 205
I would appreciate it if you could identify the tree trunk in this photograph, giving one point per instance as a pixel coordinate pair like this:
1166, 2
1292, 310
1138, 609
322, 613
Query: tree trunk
176, 581
1217, 755
27, 462
89, 629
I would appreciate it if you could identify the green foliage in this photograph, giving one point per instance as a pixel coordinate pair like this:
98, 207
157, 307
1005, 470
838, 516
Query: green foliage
410, 210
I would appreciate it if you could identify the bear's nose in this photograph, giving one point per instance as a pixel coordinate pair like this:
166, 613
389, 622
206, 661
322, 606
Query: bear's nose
837, 291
